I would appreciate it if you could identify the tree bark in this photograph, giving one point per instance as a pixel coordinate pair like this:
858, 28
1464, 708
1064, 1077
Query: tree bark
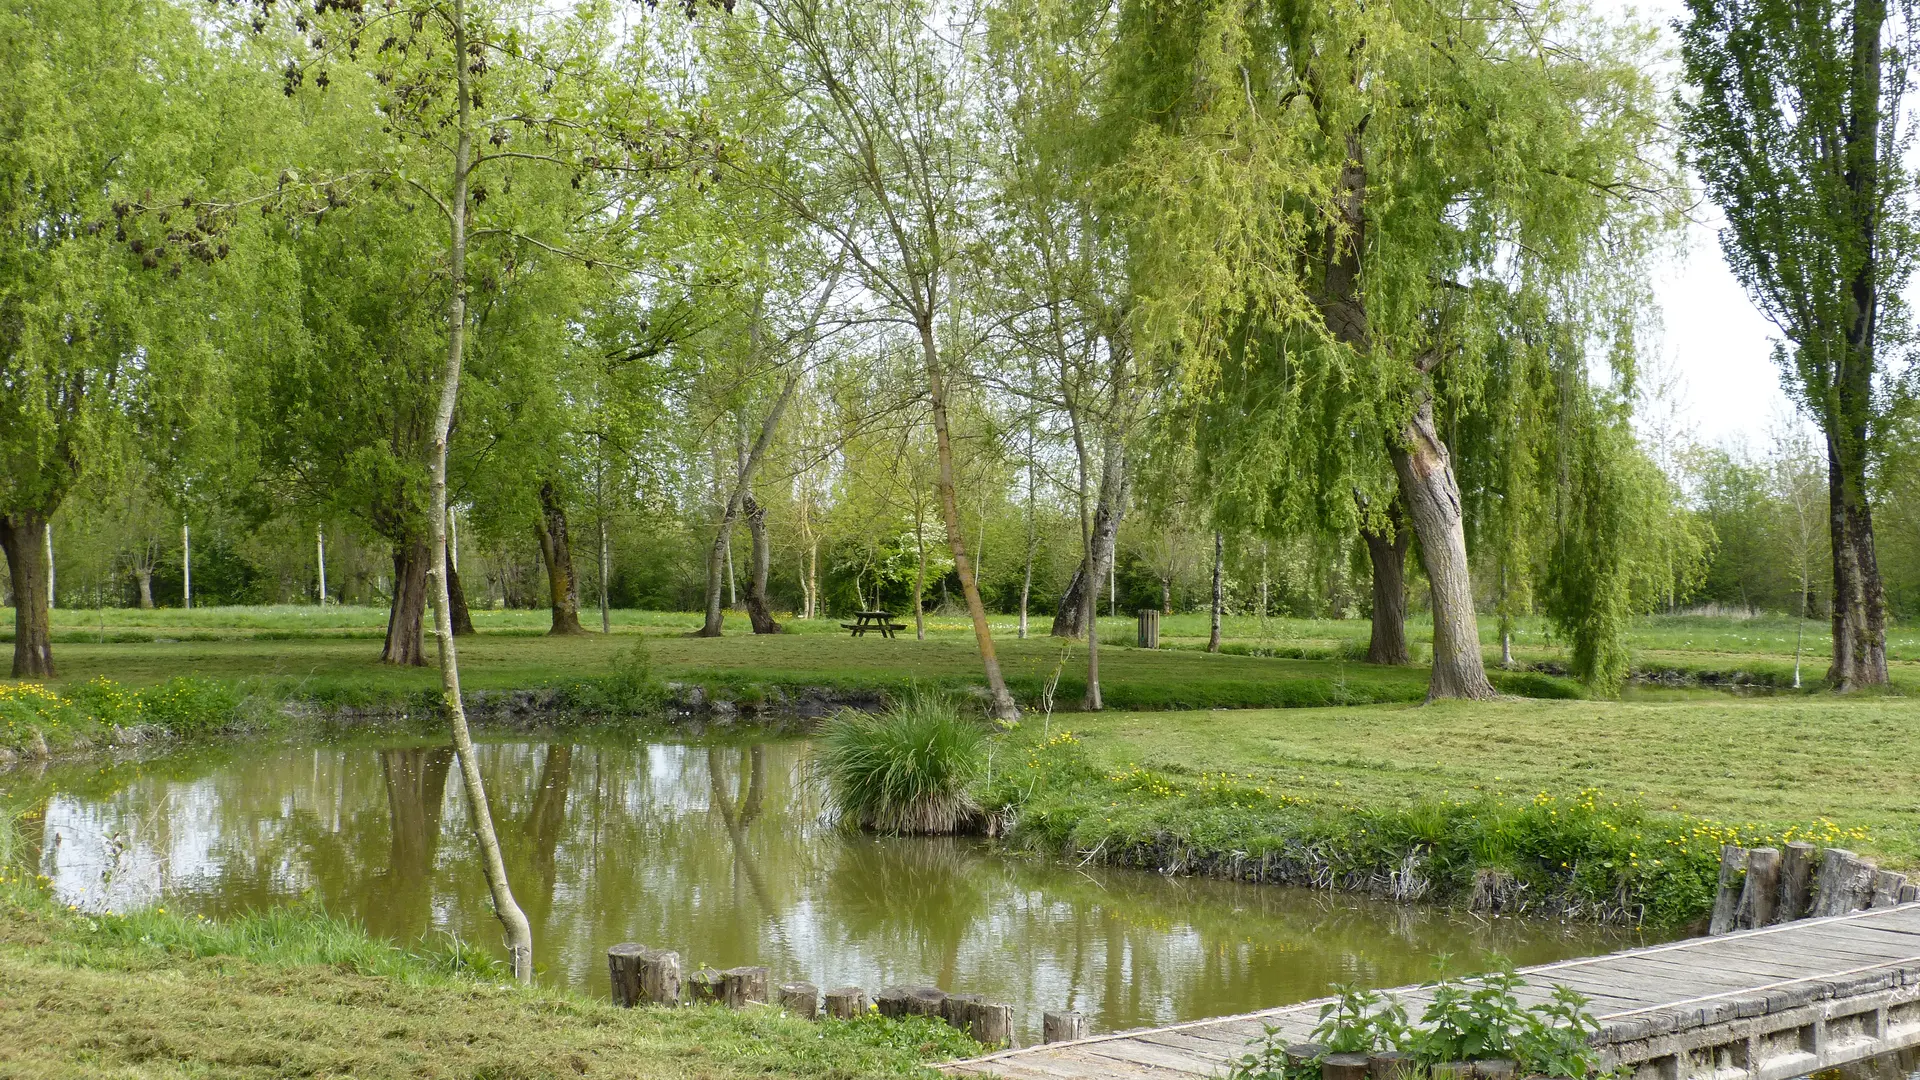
717, 569
1068, 622
21, 536
405, 615
1166, 594
1002, 707
1219, 590
758, 610
1387, 553
519, 933
143, 577
462, 617
1433, 500
1859, 596
556, 550
919, 573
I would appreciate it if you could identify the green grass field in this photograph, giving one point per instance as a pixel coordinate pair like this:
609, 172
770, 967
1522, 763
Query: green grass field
293, 993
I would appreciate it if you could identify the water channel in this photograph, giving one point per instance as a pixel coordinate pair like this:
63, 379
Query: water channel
722, 852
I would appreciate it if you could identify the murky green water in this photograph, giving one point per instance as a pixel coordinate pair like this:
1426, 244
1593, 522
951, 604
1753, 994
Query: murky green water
721, 853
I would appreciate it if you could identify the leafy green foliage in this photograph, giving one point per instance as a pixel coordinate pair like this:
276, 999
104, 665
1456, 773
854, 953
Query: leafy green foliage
1477, 1019
908, 769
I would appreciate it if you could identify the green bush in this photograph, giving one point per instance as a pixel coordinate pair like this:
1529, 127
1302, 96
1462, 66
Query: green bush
906, 770
630, 689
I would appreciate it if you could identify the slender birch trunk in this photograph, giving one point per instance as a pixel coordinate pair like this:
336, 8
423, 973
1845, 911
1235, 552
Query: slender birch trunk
519, 932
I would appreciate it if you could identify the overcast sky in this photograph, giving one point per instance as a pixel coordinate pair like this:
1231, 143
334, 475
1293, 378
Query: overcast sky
1715, 341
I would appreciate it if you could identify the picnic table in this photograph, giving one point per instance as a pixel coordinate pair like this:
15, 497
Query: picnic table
873, 620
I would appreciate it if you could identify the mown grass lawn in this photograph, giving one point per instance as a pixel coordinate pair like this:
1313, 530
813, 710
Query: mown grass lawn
1773, 762
292, 993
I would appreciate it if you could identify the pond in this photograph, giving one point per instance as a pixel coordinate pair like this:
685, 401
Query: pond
722, 852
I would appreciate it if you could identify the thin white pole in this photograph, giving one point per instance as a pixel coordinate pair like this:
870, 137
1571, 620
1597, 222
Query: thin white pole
320, 541
186, 567
51, 591
453, 539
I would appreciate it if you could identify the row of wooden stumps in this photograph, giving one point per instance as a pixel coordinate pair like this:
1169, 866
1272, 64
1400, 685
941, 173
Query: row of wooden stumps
1391, 1065
643, 976
1764, 886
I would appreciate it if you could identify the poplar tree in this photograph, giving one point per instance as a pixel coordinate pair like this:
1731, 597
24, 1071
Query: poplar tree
1797, 132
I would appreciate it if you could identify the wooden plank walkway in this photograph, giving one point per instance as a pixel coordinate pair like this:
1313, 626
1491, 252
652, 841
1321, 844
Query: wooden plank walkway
1764, 1004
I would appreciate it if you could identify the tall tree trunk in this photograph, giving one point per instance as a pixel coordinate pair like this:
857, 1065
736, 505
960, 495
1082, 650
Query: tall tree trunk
1433, 501
556, 549
462, 617
1859, 597
1166, 594
1219, 590
1069, 621
606, 571
1387, 554
22, 536
405, 615
1002, 705
758, 610
519, 933
919, 573
716, 570
143, 577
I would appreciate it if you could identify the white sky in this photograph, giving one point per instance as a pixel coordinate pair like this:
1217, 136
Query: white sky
1715, 341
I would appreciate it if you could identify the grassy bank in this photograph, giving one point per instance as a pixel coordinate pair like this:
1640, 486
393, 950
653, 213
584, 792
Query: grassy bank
1610, 809
294, 993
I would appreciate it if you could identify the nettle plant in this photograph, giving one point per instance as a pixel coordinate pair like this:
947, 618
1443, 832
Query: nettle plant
1468, 1020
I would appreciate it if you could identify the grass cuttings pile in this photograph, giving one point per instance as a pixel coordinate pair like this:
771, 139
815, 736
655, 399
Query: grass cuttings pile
909, 769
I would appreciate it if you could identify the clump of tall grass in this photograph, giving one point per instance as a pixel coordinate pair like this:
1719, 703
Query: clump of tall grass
906, 770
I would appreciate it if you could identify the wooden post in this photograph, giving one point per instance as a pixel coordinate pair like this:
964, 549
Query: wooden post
623, 970
742, 986
703, 987
802, 999
925, 1001
1149, 637
992, 1023
1845, 883
1343, 1067
1796, 882
846, 1002
660, 977
1065, 1025
892, 1001
1886, 888
1762, 890
1909, 893
1733, 862
1301, 1056
1496, 1069
957, 1010
1392, 1065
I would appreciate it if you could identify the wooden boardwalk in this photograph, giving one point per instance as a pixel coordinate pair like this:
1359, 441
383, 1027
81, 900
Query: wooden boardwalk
1765, 1004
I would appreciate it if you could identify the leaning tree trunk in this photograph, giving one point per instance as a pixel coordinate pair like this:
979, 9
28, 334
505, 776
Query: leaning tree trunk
462, 616
405, 644
758, 611
22, 533
716, 571
556, 549
1070, 620
1002, 705
1859, 598
1388, 557
1433, 501
513, 921
1219, 591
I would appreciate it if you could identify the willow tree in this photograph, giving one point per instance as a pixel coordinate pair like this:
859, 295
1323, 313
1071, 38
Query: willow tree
105, 335
1358, 169
1797, 132
883, 158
